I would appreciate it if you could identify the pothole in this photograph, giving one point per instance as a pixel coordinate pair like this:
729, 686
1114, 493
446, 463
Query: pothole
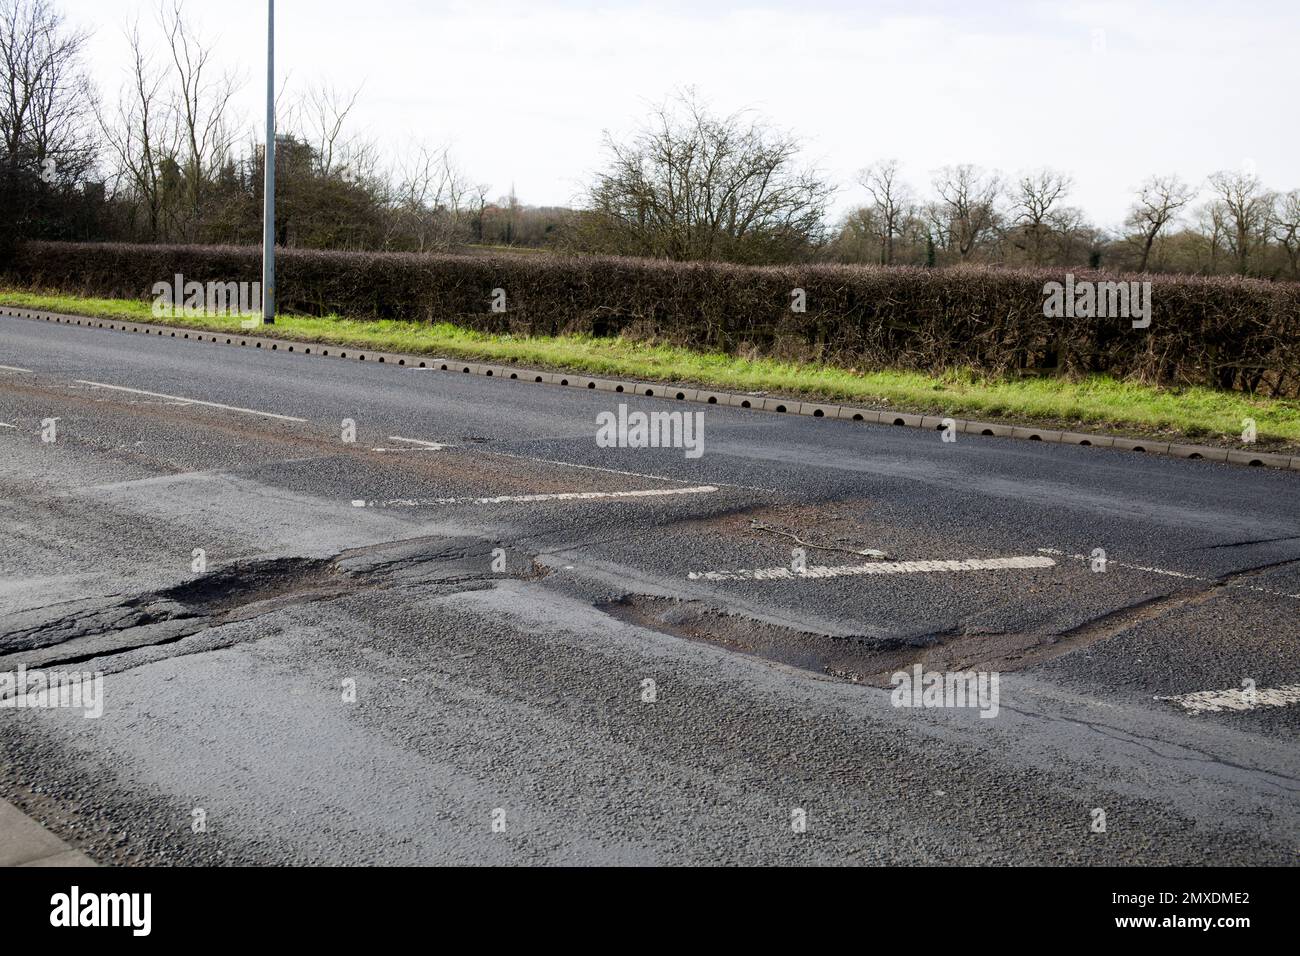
227, 588
860, 659
111, 624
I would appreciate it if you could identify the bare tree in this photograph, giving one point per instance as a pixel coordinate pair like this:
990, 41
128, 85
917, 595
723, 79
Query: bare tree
430, 201
142, 135
1244, 208
691, 185
324, 112
1036, 209
45, 95
966, 215
1211, 228
1286, 228
892, 204
1158, 202
1077, 239
201, 103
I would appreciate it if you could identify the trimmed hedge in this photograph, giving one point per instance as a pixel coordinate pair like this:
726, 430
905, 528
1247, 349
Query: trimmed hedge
1224, 332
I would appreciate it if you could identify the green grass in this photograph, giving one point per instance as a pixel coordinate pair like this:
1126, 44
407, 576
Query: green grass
1098, 402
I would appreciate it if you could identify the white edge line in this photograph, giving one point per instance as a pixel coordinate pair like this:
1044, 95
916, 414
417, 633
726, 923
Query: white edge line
14, 368
192, 401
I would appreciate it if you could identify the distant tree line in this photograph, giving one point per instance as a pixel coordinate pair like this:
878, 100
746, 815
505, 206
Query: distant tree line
163, 161
1230, 224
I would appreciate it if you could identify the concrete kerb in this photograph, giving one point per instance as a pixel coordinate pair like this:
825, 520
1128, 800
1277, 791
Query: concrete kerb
24, 842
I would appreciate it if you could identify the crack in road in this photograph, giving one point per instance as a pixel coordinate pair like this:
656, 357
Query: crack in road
1146, 743
861, 659
1243, 544
241, 592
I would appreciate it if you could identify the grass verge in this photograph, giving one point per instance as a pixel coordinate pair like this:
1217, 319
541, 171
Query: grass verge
1093, 403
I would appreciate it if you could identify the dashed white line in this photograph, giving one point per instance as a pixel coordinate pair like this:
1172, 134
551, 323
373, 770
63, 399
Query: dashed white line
1024, 562
516, 499
1236, 698
7, 425
13, 368
192, 401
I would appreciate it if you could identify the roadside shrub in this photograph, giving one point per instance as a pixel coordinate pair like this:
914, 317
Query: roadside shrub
1224, 332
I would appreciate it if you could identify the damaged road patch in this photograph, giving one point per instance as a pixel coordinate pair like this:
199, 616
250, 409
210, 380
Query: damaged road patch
78, 631
857, 658
112, 624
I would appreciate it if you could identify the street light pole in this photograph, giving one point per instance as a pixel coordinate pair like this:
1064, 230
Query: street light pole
268, 188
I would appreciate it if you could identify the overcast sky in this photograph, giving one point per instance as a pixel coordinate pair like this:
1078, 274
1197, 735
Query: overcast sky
1107, 91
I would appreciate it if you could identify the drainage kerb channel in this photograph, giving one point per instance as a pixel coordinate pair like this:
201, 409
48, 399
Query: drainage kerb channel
776, 406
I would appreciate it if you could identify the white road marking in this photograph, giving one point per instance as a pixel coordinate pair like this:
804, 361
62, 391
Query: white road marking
7, 425
13, 368
1129, 567
430, 445
1170, 574
192, 401
420, 443
513, 499
884, 567
1237, 698
182, 403
613, 471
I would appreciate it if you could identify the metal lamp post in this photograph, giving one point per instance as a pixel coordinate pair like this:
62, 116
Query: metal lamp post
268, 189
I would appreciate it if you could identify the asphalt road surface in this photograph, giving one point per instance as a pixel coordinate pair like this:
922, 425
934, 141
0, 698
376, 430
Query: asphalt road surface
474, 635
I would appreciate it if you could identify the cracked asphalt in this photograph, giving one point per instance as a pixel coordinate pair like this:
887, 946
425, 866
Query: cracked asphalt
473, 635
